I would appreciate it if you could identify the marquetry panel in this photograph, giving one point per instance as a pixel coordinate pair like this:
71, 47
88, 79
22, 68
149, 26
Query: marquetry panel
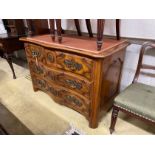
35, 52
49, 57
75, 64
36, 68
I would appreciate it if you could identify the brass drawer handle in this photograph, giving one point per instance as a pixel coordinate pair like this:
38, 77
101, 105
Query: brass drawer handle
36, 55
72, 65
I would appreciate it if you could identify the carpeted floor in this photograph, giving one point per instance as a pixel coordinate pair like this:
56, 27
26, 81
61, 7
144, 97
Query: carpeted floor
39, 113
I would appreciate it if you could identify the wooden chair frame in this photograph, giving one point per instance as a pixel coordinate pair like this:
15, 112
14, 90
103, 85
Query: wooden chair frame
140, 66
100, 29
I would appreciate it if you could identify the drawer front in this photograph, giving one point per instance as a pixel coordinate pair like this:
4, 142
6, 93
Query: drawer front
35, 52
37, 69
49, 57
75, 64
69, 99
62, 96
69, 81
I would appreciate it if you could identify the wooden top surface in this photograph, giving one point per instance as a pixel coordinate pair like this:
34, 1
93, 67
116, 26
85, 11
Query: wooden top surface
81, 45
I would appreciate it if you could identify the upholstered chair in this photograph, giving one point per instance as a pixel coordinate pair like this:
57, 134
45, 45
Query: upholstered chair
137, 100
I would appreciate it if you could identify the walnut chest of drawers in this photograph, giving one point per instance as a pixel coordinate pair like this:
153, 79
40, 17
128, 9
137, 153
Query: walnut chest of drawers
74, 74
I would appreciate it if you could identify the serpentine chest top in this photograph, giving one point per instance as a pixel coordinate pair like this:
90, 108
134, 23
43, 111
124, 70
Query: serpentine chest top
74, 74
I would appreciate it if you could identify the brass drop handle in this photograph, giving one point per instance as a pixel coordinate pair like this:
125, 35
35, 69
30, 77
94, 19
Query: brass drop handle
37, 61
35, 55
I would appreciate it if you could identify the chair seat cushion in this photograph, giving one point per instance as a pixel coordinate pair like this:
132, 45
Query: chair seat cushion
139, 99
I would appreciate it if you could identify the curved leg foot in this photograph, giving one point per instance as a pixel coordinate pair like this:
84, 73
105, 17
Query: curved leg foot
9, 60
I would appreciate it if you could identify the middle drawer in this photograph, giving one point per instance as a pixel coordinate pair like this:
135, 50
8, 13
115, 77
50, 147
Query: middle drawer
64, 79
69, 81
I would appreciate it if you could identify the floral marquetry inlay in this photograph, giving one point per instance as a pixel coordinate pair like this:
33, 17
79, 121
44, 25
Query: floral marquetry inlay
75, 64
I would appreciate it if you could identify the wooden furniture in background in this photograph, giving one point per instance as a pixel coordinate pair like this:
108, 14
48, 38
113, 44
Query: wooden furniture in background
137, 100
100, 29
74, 73
37, 26
9, 42
59, 29
14, 26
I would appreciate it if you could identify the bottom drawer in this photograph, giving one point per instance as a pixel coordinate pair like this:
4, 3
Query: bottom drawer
63, 96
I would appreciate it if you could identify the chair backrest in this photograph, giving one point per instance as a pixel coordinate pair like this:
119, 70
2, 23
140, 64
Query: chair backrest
140, 61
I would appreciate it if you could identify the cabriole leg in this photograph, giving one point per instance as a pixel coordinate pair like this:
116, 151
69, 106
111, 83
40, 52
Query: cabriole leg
9, 60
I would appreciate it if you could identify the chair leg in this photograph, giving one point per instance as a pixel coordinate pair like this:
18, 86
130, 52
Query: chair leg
9, 60
100, 28
118, 29
59, 30
113, 119
77, 25
52, 29
88, 24
29, 27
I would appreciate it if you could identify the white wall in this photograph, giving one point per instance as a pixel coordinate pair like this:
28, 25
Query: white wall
136, 28
2, 29
130, 65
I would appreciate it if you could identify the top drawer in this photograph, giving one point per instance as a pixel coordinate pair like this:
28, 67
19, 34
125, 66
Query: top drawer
69, 62
75, 64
